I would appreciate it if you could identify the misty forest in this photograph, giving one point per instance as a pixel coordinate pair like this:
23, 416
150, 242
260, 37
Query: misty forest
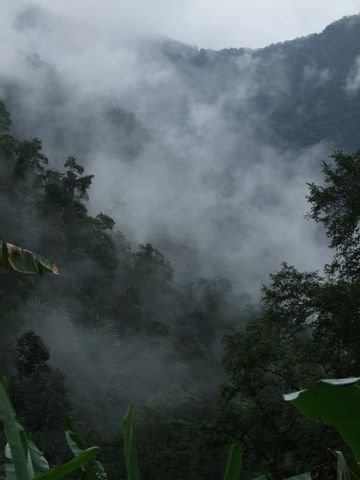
203, 207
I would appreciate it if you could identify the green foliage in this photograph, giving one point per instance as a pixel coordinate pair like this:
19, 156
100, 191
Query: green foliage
26, 462
268, 357
337, 206
31, 353
29, 158
176, 443
64, 192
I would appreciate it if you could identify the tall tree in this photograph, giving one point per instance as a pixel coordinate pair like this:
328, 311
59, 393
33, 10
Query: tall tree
39, 396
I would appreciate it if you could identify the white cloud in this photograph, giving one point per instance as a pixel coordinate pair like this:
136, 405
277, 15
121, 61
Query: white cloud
353, 80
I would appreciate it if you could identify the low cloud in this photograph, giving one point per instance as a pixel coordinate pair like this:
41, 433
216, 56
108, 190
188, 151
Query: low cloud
105, 373
353, 80
181, 158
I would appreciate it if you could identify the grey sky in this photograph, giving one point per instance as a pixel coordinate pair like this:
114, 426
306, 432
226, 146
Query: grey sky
208, 23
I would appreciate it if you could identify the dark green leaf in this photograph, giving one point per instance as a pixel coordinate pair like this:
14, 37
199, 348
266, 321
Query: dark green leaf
234, 463
69, 467
16, 438
336, 403
131, 459
93, 470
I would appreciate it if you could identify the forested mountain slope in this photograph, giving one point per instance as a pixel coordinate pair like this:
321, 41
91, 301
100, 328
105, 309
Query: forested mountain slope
309, 88
191, 148
167, 183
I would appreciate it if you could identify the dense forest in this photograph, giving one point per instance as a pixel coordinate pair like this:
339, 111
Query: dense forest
299, 85
191, 148
204, 364
305, 329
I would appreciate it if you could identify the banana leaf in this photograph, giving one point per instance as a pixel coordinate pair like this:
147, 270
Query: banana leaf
39, 462
131, 458
233, 463
67, 468
23, 261
23, 458
93, 470
19, 464
337, 403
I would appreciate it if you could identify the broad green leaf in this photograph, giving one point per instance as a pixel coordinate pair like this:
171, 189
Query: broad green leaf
15, 435
36, 461
335, 402
233, 463
94, 470
67, 468
131, 459
73, 438
24, 261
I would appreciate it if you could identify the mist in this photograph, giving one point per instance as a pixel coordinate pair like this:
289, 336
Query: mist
177, 161
183, 158
103, 371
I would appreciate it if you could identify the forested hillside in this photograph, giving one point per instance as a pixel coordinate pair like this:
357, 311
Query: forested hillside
307, 88
216, 182
120, 323
190, 147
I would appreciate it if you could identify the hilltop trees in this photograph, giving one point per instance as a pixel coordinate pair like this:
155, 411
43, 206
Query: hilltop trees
306, 328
